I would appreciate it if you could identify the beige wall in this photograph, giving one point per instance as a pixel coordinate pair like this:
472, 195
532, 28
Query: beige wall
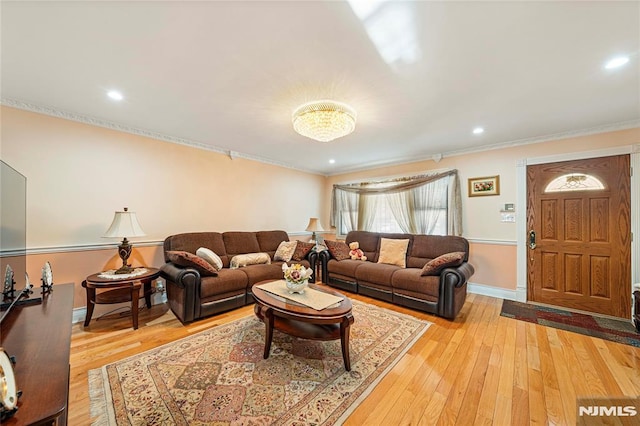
495, 264
78, 175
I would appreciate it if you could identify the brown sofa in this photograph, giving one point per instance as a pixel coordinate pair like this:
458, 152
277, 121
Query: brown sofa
442, 294
192, 296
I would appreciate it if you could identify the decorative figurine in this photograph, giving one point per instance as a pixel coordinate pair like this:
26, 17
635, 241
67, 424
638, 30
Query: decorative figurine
9, 284
47, 277
27, 284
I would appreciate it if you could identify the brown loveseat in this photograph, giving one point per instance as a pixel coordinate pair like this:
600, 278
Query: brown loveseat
442, 294
193, 295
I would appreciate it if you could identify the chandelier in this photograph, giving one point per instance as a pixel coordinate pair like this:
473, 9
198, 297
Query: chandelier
324, 120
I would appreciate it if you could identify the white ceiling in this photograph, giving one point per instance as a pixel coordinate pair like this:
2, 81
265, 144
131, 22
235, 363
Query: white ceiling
421, 75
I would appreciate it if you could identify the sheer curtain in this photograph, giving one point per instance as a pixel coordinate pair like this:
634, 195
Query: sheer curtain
416, 202
357, 211
344, 205
418, 210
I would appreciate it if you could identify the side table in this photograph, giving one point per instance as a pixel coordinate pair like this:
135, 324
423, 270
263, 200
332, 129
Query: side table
120, 290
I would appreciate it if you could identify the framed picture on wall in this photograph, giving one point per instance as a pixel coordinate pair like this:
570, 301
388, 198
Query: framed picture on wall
480, 186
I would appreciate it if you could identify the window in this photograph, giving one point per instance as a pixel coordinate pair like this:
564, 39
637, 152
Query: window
574, 182
428, 204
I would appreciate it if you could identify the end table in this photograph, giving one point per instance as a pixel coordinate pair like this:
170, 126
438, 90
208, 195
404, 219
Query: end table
125, 289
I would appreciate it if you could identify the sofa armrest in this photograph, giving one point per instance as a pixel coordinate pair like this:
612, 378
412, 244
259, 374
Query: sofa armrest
462, 272
183, 277
323, 257
312, 257
453, 289
182, 290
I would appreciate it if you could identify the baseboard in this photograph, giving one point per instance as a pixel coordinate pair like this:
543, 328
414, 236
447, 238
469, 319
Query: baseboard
79, 314
485, 290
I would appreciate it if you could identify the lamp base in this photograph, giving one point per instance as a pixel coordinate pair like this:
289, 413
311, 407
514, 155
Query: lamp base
124, 251
124, 269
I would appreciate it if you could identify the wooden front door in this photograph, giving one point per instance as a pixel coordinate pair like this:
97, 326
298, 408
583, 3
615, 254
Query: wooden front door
579, 242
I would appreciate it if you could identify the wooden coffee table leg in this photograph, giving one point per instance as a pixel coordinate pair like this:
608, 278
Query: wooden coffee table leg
344, 340
267, 314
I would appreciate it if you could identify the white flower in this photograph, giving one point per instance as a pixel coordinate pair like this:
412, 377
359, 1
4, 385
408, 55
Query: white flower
296, 273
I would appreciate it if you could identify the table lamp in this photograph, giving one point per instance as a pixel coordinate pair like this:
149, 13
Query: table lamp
125, 224
314, 226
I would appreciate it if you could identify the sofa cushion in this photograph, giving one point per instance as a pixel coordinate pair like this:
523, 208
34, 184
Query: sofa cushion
190, 260
210, 257
285, 251
435, 266
411, 283
338, 249
191, 241
228, 281
345, 267
258, 273
302, 250
270, 240
376, 273
431, 246
240, 243
393, 252
368, 242
240, 260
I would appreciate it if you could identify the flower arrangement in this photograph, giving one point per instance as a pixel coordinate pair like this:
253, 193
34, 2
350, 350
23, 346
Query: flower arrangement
296, 277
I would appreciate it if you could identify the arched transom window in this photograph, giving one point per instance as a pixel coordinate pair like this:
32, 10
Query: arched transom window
574, 182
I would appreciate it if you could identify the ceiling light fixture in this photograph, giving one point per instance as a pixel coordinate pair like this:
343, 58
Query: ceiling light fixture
617, 62
115, 95
324, 120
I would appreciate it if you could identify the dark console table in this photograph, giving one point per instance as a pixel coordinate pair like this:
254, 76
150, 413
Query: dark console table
39, 336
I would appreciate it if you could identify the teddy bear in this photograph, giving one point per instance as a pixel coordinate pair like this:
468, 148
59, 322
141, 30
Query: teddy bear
356, 253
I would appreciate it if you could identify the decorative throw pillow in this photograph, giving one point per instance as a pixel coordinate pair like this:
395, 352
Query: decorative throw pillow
285, 251
433, 267
240, 260
302, 250
393, 252
210, 257
338, 249
190, 260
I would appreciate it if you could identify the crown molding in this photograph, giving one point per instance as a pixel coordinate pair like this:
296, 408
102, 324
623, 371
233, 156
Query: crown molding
500, 145
93, 121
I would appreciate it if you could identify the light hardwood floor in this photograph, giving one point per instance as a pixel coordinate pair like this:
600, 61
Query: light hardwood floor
479, 369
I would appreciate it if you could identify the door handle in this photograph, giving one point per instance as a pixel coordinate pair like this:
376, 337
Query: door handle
532, 239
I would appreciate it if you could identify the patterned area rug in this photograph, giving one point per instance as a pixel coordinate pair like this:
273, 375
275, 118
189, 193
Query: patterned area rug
620, 331
218, 376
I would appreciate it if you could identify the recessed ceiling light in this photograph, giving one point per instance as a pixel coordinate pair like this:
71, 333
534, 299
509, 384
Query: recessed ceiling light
332, 161
478, 130
617, 62
115, 95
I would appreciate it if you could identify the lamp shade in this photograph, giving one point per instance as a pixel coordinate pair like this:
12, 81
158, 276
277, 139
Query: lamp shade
125, 224
314, 225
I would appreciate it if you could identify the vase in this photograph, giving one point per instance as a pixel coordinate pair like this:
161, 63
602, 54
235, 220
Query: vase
294, 287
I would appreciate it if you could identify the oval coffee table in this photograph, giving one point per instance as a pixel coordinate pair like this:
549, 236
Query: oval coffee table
302, 321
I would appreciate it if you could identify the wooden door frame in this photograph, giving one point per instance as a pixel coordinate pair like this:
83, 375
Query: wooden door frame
521, 208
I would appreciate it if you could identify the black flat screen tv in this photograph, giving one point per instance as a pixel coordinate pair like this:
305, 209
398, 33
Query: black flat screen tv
13, 224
